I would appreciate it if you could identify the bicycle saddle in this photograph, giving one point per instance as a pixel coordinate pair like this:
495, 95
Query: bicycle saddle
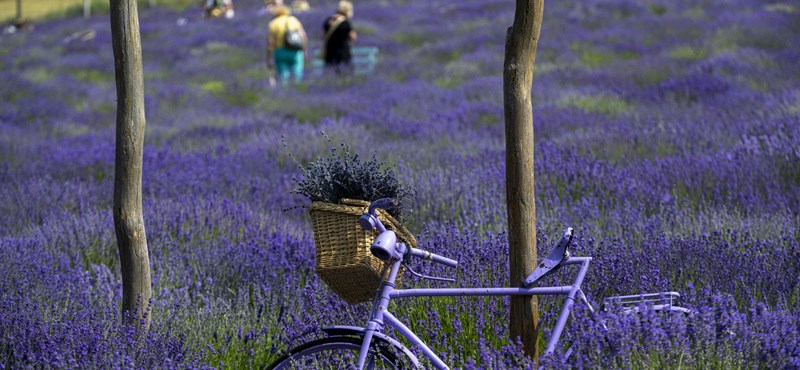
552, 262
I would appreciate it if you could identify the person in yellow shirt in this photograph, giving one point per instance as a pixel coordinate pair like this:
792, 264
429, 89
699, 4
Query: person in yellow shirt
287, 45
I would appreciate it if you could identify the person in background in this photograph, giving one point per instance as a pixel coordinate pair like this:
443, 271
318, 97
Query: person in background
299, 6
337, 36
271, 4
283, 58
218, 8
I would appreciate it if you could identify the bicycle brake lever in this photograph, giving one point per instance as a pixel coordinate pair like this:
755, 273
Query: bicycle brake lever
429, 277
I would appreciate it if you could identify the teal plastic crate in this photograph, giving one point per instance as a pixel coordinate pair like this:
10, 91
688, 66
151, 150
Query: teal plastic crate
364, 60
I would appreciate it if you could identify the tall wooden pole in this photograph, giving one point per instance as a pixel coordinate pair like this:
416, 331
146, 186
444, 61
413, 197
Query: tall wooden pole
128, 217
87, 8
521, 43
19, 10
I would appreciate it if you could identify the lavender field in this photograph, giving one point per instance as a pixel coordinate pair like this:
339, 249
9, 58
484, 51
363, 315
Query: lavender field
666, 132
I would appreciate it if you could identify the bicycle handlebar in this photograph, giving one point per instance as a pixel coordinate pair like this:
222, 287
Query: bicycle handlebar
383, 203
433, 257
369, 220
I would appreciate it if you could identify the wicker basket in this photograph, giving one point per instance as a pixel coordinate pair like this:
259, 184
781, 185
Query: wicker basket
344, 261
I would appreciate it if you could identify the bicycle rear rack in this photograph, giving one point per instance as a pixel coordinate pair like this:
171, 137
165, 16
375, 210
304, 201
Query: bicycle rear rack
657, 301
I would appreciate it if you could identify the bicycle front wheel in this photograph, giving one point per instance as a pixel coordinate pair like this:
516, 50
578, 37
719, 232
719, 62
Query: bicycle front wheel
335, 353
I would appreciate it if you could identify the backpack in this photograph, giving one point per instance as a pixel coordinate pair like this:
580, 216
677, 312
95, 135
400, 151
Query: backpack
293, 39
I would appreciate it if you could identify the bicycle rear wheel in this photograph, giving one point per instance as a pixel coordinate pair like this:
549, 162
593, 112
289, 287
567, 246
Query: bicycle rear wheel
335, 353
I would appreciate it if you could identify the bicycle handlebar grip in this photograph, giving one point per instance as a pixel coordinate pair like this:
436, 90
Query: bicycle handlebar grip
383, 203
433, 257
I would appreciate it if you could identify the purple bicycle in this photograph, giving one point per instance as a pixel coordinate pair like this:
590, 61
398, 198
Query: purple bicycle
368, 347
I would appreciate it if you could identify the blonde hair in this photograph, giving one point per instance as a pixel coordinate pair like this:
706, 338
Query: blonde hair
345, 8
280, 10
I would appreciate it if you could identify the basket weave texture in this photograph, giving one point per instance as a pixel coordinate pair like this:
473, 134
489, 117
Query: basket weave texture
344, 261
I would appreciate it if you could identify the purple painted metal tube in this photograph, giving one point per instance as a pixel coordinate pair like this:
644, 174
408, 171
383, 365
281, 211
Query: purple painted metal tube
369, 331
569, 301
433, 257
576, 260
454, 292
376, 319
379, 224
406, 332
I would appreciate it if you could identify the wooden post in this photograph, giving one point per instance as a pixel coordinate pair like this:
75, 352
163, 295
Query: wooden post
87, 8
520, 54
128, 217
19, 11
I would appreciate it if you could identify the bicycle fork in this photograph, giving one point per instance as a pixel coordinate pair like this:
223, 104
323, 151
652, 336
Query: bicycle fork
379, 313
380, 316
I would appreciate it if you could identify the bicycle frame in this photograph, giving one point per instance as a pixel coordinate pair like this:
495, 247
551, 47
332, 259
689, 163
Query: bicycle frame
380, 316
394, 252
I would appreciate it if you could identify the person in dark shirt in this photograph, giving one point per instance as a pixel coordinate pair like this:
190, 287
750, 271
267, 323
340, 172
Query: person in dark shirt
338, 34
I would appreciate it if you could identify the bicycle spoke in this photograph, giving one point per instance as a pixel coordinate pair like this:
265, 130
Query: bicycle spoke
333, 353
370, 363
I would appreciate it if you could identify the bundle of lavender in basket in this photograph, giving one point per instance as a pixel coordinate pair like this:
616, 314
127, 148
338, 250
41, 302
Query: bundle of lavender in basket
344, 175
